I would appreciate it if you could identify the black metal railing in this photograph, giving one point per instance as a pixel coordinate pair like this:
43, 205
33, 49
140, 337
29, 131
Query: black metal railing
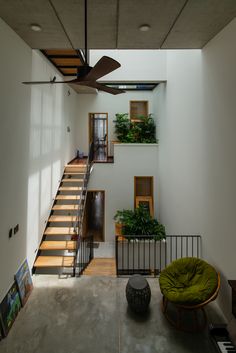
85, 254
147, 256
84, 245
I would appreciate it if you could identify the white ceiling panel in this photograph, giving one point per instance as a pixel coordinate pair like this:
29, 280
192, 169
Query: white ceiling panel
199, 22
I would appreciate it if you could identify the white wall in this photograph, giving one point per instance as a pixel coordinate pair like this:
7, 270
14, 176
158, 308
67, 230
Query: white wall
219, 82
136, 65
34, 145
104, 103
118, 179
180, 136
197, 142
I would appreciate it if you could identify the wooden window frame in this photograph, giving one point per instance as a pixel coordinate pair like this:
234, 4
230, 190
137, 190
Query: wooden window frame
149, 199
135, 191
135, 120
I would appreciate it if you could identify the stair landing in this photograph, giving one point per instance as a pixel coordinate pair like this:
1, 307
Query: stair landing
101, 267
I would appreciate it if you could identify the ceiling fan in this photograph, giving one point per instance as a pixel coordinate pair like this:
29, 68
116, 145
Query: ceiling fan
87, 75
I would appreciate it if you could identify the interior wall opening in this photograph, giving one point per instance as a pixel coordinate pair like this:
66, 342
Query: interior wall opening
94, 220
98, 135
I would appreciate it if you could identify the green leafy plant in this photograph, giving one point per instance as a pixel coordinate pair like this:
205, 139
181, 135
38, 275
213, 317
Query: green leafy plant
143, 131
147, 129
122, 127
139, 222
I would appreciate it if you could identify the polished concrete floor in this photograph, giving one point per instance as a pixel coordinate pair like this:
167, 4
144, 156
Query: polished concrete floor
90, 315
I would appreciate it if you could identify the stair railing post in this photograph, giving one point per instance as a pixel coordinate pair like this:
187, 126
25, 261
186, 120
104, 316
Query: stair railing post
80, 214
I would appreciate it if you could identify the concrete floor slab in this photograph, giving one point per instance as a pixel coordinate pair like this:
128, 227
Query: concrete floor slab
90, 314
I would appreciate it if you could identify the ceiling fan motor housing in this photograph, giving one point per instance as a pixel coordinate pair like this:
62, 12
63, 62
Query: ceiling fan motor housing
83, 70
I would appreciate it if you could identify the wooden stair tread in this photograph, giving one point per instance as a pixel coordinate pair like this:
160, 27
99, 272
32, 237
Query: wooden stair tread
75, 170
70, 188
62, 219
58, 245
65, 207
75, 165
70, 180
54, 261
68, 197
74, 173
59, 231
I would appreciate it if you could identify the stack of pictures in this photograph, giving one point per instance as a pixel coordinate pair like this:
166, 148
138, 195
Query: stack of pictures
24, 282
16, 297
9, 308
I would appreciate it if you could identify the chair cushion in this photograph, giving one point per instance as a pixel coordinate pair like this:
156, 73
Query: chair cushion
188, 281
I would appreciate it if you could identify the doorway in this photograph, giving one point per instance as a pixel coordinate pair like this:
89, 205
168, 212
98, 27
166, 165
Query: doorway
98, 135
95, 215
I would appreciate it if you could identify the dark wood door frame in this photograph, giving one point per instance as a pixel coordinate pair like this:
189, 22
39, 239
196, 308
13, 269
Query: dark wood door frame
91, 116
104, 209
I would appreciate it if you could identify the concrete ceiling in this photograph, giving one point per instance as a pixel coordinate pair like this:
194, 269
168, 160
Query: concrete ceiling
175, 24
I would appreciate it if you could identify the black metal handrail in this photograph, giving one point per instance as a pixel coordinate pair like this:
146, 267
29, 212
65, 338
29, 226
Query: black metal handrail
85, 253
148, 256
79, 263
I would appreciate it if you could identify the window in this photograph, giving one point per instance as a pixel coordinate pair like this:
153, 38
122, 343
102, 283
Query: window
137, 109
143, 192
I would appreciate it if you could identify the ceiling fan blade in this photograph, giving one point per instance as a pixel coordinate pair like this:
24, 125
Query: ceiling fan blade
38, 83
102, 87
103, 67
52, 82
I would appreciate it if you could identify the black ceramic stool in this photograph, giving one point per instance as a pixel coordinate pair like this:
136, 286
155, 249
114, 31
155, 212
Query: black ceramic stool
138, 293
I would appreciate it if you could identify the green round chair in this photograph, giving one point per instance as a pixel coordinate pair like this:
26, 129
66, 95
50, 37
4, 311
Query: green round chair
189, 284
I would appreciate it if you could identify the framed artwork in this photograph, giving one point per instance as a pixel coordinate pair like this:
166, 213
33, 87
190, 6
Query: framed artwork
9, 308
24, 282
146, 201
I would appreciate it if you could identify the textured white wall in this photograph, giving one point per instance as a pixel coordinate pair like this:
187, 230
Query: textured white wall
104, 103
34, 145
118, 179
136, 65
197, 142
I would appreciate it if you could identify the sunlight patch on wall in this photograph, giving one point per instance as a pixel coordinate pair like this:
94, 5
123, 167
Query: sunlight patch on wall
35, 125
58, 118
56, 175
33, 205
47, 125
45, 192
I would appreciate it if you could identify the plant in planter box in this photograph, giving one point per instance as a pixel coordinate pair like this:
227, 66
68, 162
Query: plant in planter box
139, 222
147, 130
122, 127
142, 131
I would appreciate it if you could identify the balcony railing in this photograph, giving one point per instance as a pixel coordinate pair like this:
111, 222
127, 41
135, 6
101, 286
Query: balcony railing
147, 256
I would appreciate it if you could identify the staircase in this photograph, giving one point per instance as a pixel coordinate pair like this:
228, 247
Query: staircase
63, 249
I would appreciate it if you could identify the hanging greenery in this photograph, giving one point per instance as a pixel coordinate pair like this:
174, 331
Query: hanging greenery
142, 131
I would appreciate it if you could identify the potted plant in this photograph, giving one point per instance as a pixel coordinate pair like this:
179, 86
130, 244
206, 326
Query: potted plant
138, 222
